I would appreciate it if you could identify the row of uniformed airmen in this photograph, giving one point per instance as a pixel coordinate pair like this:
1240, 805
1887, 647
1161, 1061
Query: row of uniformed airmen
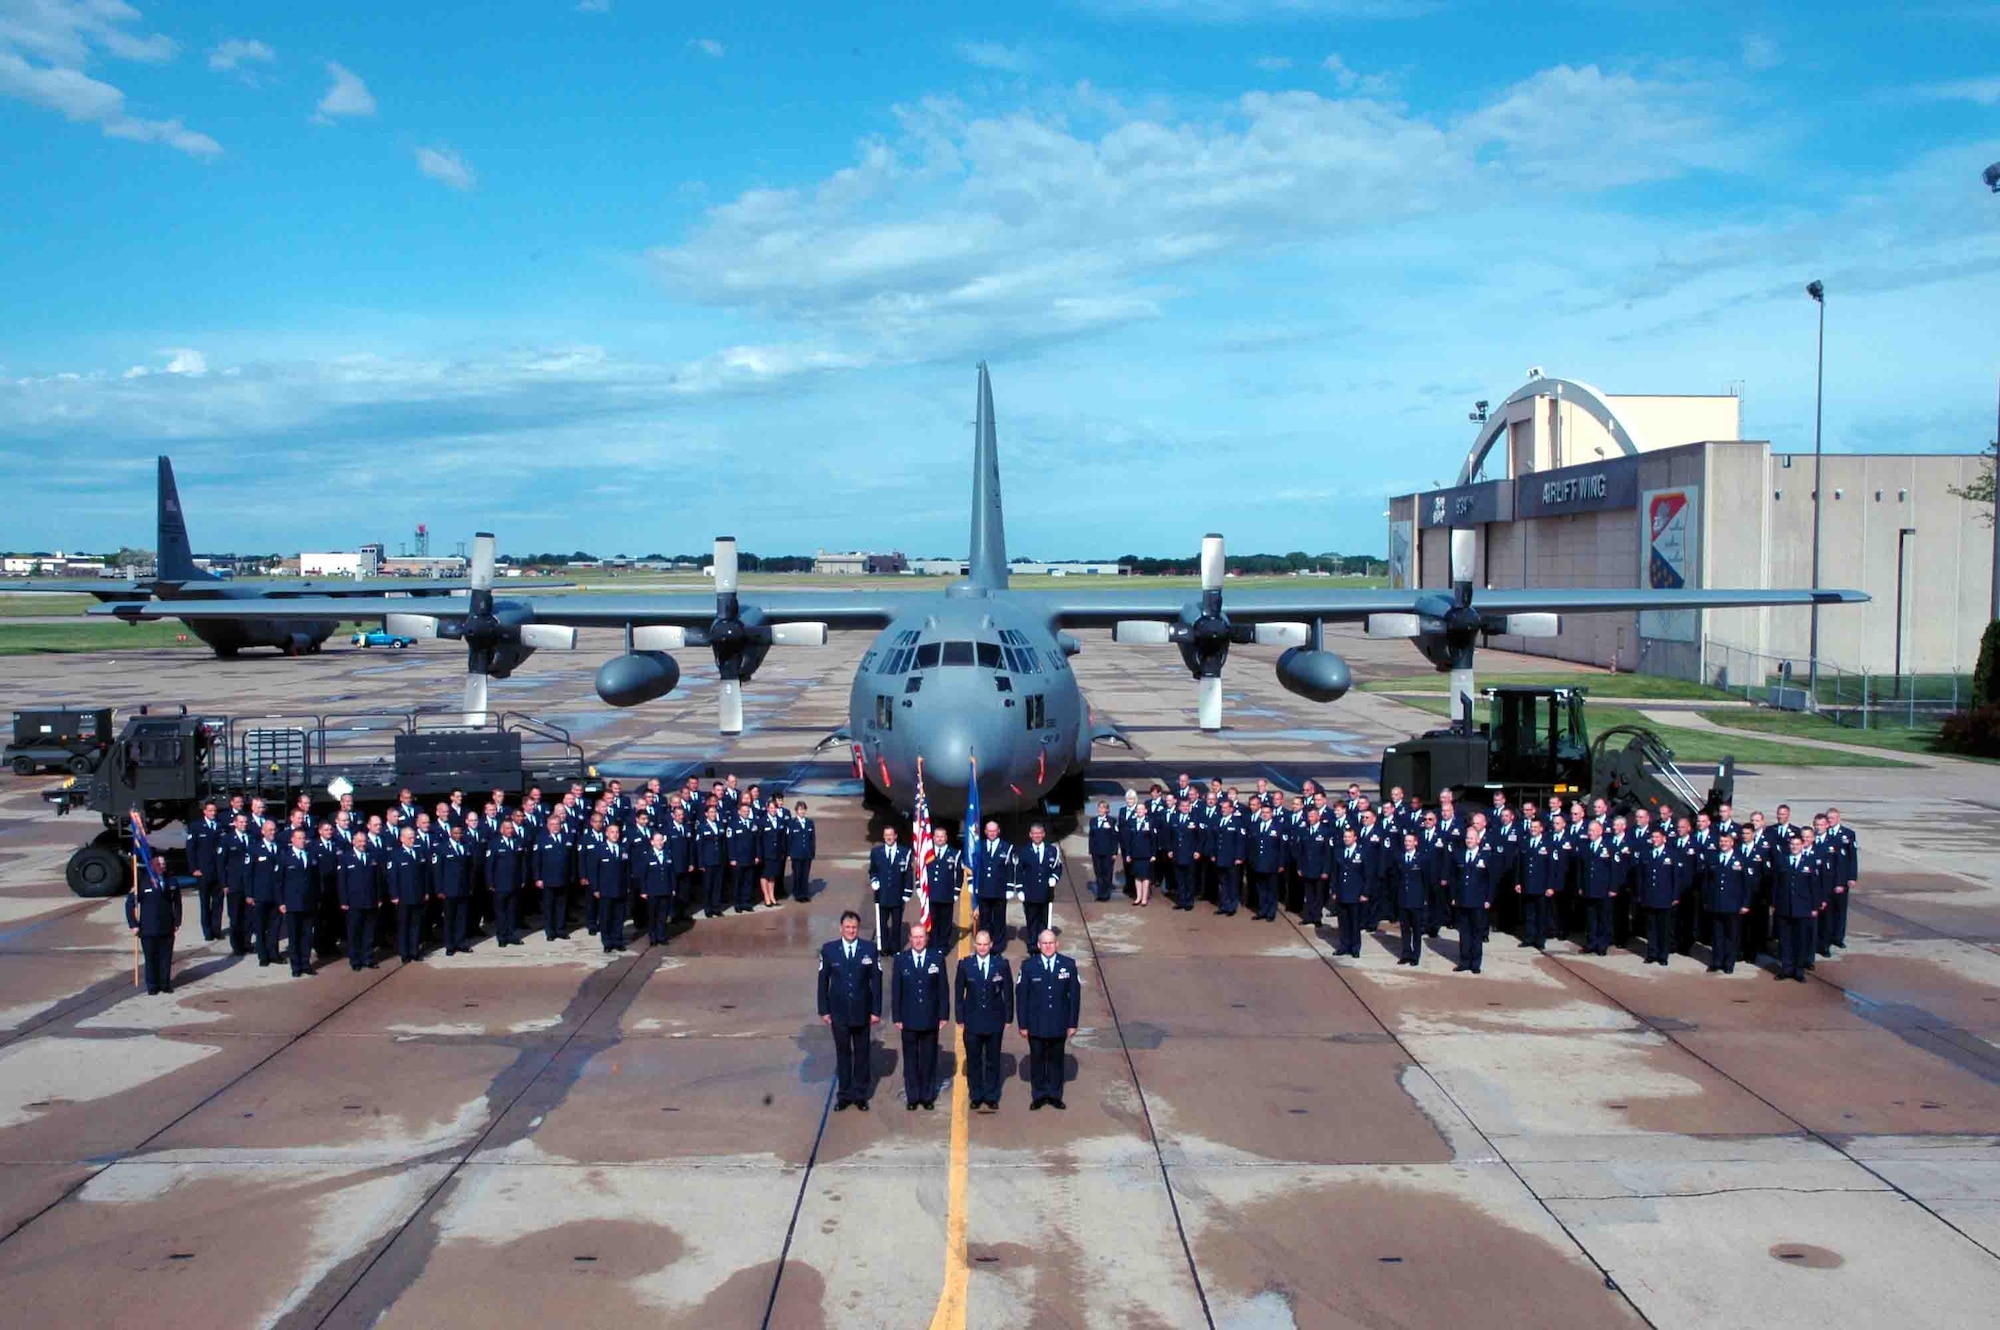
1738, 887
440, 875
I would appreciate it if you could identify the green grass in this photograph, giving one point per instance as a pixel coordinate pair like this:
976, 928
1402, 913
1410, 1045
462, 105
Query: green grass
1701, 748
20, 605
1891, 736
28, 639
1647, 686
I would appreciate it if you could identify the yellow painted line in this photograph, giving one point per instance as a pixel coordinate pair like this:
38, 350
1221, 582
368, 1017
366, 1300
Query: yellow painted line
950, 1313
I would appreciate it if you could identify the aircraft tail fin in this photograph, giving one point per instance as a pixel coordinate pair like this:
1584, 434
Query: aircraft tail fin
986, 564
174, 559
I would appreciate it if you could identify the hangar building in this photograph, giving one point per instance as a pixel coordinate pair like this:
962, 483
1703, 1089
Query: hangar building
1567, 486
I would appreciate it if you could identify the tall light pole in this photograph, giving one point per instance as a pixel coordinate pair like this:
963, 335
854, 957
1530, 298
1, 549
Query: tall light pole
1818, 292
1992, 178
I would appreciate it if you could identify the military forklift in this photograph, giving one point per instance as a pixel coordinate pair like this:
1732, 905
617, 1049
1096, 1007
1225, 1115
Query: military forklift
166, 765
1536, 744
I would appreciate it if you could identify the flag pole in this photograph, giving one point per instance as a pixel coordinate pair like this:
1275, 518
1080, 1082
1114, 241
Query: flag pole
135, 914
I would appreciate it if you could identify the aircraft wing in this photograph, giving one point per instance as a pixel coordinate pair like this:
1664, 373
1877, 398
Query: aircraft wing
836, 609
378, 586
1334, 604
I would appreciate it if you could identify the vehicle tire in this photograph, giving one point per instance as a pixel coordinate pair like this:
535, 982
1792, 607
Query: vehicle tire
24, 766
1069, 794
225, 653
81, 764
96, 870
400, 645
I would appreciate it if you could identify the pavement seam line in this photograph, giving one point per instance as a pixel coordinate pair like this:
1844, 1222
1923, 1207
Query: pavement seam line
1145, 1107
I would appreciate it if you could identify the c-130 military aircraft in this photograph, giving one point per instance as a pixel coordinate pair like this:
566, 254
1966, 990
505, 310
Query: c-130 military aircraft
977, 676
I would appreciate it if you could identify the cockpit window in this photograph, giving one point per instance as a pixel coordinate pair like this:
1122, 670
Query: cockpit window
927, 656
989, 655
958, 653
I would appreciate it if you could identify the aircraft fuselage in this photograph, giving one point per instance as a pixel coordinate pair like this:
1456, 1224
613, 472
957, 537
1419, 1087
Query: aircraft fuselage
962, 676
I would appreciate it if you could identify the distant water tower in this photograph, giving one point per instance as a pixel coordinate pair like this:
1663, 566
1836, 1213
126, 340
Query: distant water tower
423, 550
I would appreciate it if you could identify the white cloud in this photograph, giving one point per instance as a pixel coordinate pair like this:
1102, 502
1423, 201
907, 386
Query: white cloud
1354, 83
447, 167
1760, 52
44, 47
994, 55
1982, 91
707, 46
229, 56
1272, 64
975, 230
346, 96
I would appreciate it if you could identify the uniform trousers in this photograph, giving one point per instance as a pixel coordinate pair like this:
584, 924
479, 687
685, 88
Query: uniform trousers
1101, 876
210, 893
889, 940
267, 932
553, 901
1228, 887
1437, 908
1727, 941
611, 923
745, 878
853, 1053
660, 913
982, 1067
1349, 913
802, 879
1267, 895
1471, 936
715, 889
1535, 910
1659, 933
506, 916
1597, 924
943, 926
1795, 945
360, 938
456, 909
1186, 881
157, 953
410, 931
920, 1056
298, 940
1045, 1066
1313, 900
1034, 918
992, 916
1412, 917
242, 922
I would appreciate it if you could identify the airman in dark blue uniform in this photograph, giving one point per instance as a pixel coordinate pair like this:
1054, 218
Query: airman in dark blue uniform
801, 844
944, 877
298, 882
1659, 874
850, 1004
1543, 862
266, 890
1038, 867
453, 870
1267, 863
204, 843
553, 875
1409, 877
1845, 858
507, 868
985, 1005
1601, 876
1104, 841
889, 887
1232, 853
920, 1002
1471, 887
657, 876
153, 911
1795, 901
992, 879
1048, 997
1726, 890
608, 885
358, 882
1353, 888
1315, 854
742, 848
403, 881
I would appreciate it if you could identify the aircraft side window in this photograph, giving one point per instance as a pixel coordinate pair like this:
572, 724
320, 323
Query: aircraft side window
914, 683
885, 711
1002, 684
908, 637
927, 656
989, 655
868, 662
1036, 702
958, 653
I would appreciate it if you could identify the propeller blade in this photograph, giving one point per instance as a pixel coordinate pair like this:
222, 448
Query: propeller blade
479, 573
1141, 632
1209, 704
1464, 555
798, 635
725, 565
548, 637
729, 707
475, 698
411, 625
1283, 634
1211, 562
1393, 625
659, 637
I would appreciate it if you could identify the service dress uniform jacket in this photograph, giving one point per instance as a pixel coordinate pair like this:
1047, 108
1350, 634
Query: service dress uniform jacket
154, 913
1048, 998
849, 997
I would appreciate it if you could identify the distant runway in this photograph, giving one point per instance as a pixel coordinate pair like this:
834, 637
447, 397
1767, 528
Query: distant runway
1257, 1134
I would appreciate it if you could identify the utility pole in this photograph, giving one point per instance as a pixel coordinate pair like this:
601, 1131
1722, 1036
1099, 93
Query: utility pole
1818, 292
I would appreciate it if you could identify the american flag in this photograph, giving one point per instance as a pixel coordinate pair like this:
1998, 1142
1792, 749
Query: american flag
920, 850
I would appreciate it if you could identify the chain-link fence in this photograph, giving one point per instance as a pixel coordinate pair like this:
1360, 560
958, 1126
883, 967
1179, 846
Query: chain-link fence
1858, 698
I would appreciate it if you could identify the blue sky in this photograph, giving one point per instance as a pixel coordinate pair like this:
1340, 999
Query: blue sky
622, 276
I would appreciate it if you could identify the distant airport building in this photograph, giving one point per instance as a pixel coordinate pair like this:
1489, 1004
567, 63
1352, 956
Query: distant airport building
429, 566
1567, 486
361, 563
1068, 569
857, 563
56, 564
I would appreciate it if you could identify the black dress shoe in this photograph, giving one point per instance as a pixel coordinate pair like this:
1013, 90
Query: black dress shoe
1036, 1107
840, 1107
910, 1107
861, 1104
930, 1105
1059, 1104
1460, 969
